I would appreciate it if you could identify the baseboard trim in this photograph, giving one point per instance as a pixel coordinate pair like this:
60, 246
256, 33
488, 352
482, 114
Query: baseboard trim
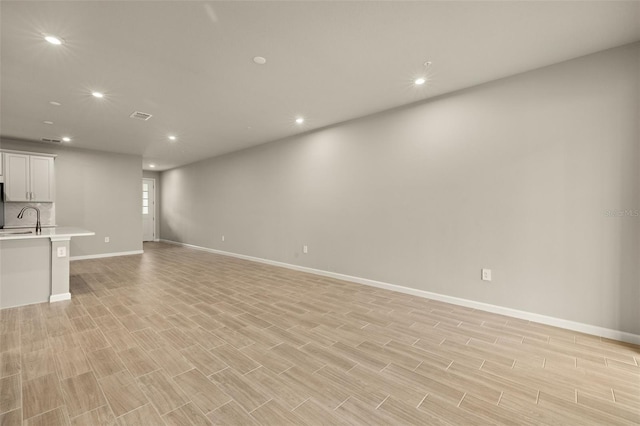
103, 255
59, 297
516, 313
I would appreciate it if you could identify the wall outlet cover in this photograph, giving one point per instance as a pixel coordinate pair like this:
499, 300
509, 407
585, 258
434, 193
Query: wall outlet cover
486, 275
62, 252
106, 239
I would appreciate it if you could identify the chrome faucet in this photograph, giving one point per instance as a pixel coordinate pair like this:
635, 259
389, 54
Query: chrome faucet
38, 227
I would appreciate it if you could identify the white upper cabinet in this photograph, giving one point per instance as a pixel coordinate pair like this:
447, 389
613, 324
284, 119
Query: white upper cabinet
28, 178
17, 179
41, 174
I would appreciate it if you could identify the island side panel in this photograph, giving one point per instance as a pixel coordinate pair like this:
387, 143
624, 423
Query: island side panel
25, 276
59, 270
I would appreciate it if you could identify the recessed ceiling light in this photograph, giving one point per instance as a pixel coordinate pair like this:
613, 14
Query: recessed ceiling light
152, 166
299, 120
54, 40
419, 81
172, 138
66, 139
48, 122
260, 60
54, 103
97, 95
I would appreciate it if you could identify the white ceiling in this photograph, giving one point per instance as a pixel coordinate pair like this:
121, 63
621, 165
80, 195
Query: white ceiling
189, 63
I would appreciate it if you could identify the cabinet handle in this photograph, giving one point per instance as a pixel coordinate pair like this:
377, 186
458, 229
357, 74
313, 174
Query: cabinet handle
33, 196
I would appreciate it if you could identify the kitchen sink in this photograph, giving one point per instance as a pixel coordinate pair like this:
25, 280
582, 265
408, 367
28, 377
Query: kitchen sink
15, 232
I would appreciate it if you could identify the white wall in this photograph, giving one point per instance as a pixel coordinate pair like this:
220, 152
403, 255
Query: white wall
98, 191
516, 175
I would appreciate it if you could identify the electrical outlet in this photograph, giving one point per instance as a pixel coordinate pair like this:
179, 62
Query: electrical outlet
486, 275
305, 249
106, 239
223, 238
62, 252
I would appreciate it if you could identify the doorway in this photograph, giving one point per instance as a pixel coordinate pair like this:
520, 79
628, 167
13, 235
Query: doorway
148, 209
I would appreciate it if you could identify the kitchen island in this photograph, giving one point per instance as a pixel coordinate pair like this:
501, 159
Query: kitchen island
34, 268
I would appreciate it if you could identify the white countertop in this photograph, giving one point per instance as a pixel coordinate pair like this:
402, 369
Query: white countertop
60, 232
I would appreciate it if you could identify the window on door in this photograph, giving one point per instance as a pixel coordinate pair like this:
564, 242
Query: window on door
145, 198
148, 210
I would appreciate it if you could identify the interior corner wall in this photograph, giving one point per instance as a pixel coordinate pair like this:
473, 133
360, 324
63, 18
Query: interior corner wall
98, 191
534, 176
156, 176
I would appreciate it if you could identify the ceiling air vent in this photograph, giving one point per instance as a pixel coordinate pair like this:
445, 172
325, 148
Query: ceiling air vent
140, 115
51, 140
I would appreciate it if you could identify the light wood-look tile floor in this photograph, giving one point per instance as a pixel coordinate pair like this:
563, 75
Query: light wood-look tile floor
179, 337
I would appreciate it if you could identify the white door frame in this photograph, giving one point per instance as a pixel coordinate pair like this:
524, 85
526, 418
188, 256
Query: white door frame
154, 217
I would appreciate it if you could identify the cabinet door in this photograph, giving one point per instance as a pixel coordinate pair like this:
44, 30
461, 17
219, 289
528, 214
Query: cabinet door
41, 174
16, 181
